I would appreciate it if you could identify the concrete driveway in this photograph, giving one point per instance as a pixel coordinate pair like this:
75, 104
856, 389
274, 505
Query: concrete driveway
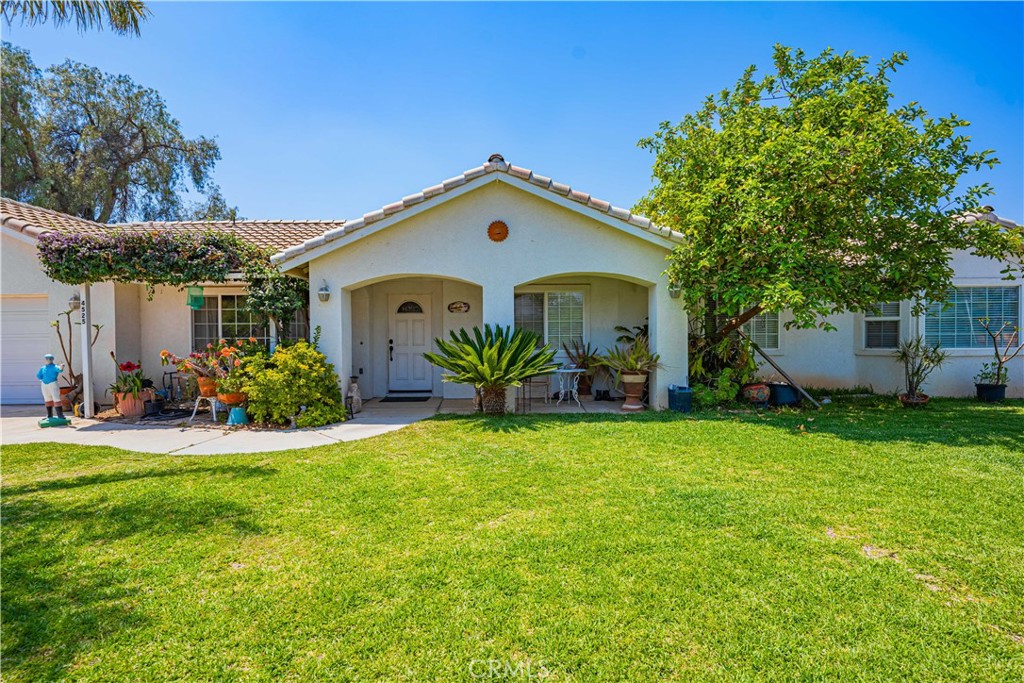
18, 424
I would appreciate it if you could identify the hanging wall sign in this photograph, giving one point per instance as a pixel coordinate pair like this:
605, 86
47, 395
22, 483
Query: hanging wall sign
458, 307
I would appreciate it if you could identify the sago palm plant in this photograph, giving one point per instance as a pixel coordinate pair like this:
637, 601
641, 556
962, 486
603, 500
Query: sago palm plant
492, 360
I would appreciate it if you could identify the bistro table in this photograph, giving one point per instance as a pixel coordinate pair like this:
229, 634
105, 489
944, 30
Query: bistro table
569, 383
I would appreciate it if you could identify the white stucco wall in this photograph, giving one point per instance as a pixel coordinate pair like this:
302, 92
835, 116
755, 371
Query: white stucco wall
839, 359
450, 241
21, 275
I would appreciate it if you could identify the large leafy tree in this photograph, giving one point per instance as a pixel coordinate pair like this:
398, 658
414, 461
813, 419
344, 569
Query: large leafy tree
98, 146
121, 16
806, 189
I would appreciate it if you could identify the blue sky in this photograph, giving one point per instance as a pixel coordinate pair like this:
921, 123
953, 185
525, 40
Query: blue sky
330, 110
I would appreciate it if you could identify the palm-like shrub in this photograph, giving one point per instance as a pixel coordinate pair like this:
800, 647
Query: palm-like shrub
634, 358
492, 360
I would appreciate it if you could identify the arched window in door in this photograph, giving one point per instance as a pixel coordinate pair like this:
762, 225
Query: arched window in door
409, 307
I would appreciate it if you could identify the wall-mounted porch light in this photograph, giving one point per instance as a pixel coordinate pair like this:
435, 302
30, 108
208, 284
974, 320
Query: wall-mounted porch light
324, 293
75, 302
674, 291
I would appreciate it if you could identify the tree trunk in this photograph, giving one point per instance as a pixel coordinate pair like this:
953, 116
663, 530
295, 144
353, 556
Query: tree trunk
493, 400
737, 322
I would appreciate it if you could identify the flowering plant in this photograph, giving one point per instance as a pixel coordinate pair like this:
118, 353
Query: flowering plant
129, 378
219, 361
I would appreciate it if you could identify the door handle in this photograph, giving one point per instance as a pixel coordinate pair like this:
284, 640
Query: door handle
391, 349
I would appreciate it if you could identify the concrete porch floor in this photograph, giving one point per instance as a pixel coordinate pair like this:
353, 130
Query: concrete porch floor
537, 406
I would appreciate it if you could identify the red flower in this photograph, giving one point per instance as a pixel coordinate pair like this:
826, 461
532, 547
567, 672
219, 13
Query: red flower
129, 366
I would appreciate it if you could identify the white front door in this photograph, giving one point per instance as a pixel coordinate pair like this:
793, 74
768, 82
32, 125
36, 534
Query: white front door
408, 339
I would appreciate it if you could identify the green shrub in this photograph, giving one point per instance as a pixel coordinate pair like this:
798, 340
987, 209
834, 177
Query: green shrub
721, 390
295, 376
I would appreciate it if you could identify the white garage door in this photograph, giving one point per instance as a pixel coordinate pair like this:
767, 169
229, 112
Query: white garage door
24, 338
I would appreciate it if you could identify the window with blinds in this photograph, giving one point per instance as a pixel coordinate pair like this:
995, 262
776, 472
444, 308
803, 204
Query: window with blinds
882, 326
763, 330
556, 316
953, 323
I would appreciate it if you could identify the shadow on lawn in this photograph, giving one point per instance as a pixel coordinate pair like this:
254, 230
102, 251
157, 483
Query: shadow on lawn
946, 422
96, 479
955, 422
58, 596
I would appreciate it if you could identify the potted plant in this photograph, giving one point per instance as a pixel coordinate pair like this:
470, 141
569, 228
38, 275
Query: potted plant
231, 389
583, 356
214, 364
129, 394
990, 383
757, 393
492, 360
631, 364
919, 361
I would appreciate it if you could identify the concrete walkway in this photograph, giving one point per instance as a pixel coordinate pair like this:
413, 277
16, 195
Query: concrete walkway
19, 424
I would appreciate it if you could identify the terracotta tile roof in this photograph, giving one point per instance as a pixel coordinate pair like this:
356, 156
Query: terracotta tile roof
495, 164
270, 234
33, 221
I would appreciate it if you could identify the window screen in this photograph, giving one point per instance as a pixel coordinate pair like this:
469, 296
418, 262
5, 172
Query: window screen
565, 318
953, 323
225, 317
763, 330
529, 312
882, 326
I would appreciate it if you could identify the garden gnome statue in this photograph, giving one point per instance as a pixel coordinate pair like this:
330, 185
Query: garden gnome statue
47, 377
355, 396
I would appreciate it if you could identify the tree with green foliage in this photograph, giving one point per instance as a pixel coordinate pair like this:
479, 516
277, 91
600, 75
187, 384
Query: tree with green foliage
98, 146
808, 190
121, 16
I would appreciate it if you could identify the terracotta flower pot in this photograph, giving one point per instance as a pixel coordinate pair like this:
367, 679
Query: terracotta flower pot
633, 387
207, 386
585, 386
914, 401
232, 399
130, 406
757, 393
65, 402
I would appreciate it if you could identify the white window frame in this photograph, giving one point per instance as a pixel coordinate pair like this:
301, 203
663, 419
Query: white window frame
560, 354
867, 317
219, 295
770, 350
977, 351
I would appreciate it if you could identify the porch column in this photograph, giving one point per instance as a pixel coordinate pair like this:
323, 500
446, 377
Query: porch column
499, 304
669, 327
344, 364
334, 317
86, 337
499, 308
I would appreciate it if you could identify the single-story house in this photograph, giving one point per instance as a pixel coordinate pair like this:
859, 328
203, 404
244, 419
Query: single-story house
497, 244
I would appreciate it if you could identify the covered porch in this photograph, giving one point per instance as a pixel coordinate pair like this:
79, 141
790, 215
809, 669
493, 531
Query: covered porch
389, 323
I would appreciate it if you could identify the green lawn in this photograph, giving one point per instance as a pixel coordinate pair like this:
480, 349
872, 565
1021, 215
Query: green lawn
861, 543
